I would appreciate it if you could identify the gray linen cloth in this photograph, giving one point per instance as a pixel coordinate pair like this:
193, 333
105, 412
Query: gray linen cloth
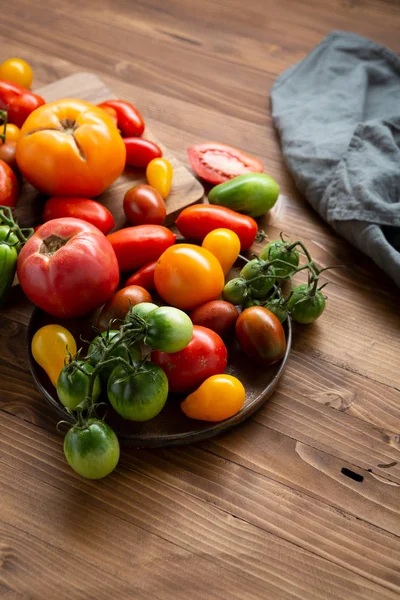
338, 115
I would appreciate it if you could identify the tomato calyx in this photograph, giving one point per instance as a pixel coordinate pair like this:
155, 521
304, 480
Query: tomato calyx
52, 244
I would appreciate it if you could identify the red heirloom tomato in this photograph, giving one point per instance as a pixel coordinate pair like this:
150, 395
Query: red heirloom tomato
144, 276
137, 246
81, 208
68, 268
198, 220
261, 335
119, 304
216, 162
8, 185
144, 205
18, 102
218, 315
187, 276
205, 355
140, 152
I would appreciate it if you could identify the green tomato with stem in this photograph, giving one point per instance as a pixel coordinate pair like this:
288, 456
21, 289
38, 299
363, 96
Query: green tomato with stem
140, 395
235, 291
92, 449
305, 305
73, 385
259, 278
278, 250
142, 310
131, 353
168, 329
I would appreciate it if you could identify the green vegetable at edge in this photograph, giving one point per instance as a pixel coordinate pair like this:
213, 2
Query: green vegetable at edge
9, 246
252, 194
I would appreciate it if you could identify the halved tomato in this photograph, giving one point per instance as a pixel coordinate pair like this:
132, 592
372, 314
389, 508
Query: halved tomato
216, 162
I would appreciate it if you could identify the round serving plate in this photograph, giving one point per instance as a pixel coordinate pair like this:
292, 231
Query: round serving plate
171, 427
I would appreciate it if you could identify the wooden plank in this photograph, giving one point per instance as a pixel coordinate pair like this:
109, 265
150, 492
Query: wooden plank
220, 546
185, 189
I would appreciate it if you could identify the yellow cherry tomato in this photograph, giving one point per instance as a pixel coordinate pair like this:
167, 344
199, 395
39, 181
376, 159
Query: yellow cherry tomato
18, 71
159, 173
219, 397
12, 132
225, 245
50, 346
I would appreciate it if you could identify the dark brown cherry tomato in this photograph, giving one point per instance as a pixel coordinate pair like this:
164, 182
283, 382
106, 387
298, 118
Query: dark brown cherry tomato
140, 152
143, 205
204, 356
261, 335
217, 315
7, 154
144, 277
119, 304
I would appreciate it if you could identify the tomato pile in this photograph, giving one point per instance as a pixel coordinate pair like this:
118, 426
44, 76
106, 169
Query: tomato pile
169, 328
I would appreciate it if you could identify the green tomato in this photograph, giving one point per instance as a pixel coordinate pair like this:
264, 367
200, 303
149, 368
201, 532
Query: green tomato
277, 307
169, 329
278, 251
304, 306
252, 194
93, 450
73, 385
139, 396
131, 353
235, 291
265, 277
142, 310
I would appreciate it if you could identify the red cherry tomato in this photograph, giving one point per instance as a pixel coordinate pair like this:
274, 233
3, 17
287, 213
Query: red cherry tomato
217, 315
144, 205
119, 304
197, 221
81, 208
218, 162
137, 246
18, 102
205, 355
130, 121
68, 268
140, 152
144, 277
261, 335
8, 185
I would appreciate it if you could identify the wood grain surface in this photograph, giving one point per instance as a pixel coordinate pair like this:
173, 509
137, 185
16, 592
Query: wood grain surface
300, 502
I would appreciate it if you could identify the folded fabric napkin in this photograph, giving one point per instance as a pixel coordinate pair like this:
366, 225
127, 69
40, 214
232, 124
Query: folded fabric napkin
338, 115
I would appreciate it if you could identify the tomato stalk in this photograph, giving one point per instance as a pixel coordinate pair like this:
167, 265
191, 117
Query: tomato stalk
6, 218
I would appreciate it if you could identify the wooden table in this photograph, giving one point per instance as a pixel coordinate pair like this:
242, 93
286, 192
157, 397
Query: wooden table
302, 501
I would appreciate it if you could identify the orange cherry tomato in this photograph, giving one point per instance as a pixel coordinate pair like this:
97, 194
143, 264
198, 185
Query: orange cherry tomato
219, 397
12, 132
187, 276
18, 71
70, 148
159, 173
225, 245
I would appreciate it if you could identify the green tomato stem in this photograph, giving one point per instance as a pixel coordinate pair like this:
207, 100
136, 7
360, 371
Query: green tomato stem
3, 119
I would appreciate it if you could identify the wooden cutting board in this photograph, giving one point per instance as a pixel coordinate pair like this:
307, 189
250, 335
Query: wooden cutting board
186, 190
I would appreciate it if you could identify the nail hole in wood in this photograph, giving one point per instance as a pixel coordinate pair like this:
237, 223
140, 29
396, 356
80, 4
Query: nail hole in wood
352, 475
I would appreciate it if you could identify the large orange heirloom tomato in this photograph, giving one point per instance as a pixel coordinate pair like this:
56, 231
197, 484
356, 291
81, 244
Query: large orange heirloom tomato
70, 148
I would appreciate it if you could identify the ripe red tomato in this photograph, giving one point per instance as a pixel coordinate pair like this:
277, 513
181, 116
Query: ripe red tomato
197, 221
217, 315
137, 246
218, 162
261, 335
130, 121
140, 152
144, 205
68, 268
144, 277
81, 208
187, 276
119, 304
205, 355
8, 185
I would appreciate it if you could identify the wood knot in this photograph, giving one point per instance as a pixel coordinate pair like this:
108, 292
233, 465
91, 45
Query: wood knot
338, 399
